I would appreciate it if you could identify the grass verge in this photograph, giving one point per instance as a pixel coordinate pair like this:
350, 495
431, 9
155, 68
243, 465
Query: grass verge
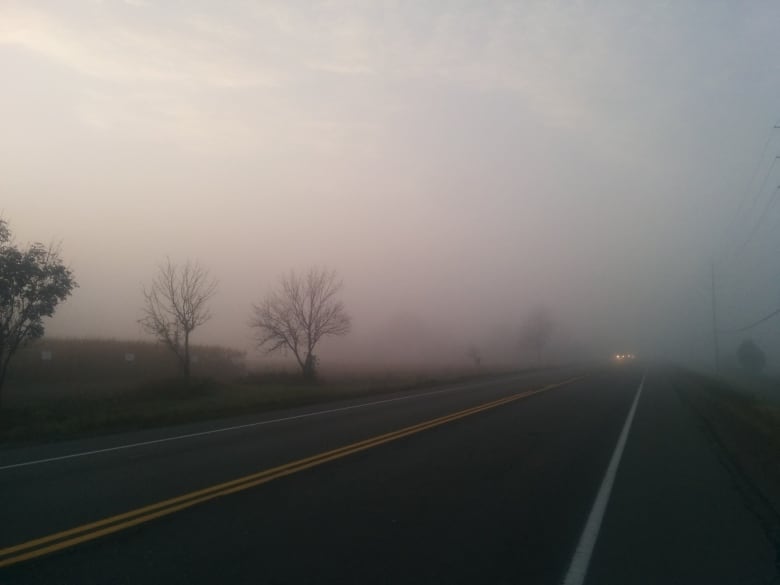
745, 428
166, 403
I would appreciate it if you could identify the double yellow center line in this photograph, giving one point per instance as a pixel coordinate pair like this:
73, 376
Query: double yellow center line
68, 538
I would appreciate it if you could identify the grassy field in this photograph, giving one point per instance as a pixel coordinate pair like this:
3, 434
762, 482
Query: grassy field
82, 412
62, 388
111, 364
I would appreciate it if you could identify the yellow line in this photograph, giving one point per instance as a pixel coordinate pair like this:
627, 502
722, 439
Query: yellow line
94, 530
221, 486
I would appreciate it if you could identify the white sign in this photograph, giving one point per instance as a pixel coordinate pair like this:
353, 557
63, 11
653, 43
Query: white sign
129, 357
46, 356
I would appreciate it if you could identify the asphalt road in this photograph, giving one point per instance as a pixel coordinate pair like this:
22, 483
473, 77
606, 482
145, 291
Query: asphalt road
492, 482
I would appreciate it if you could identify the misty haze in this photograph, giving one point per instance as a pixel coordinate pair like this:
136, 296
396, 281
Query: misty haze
389, 292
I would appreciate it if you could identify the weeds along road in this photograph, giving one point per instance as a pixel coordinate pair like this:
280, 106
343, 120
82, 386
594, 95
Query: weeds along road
575, 476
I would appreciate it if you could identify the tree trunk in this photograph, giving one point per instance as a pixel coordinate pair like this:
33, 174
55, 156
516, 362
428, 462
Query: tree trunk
186, 364
301, 363
5, 359
3, 369
309, 368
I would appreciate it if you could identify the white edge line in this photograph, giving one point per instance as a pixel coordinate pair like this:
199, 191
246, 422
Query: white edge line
240, 427
578, 568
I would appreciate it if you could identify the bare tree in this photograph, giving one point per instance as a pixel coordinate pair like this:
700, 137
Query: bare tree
175, 305
299, 313
33, 281
475, 355
536, 331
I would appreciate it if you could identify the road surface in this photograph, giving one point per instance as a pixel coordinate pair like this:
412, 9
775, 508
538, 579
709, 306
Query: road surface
594, 476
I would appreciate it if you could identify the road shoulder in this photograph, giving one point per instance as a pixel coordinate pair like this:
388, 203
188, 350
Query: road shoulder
676, 514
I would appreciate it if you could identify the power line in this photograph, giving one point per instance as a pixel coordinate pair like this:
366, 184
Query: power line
734, 253
751, 262
755, 171
770, 202
732, 225
763, 184
771, 278
752, 325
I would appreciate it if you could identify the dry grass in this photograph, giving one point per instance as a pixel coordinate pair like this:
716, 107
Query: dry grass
752, 409
81, 411
746, 429
88, 388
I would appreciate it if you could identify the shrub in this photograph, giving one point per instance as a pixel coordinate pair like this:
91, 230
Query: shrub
751, 357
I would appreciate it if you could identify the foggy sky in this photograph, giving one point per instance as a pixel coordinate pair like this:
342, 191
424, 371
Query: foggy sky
457, 163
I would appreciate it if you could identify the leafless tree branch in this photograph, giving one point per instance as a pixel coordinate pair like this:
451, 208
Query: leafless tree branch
176, 304
301, 312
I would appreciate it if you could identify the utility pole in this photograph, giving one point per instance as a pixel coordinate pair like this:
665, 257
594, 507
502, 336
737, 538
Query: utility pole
715, 322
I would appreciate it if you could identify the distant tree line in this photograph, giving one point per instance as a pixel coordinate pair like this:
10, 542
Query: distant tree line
116, 362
